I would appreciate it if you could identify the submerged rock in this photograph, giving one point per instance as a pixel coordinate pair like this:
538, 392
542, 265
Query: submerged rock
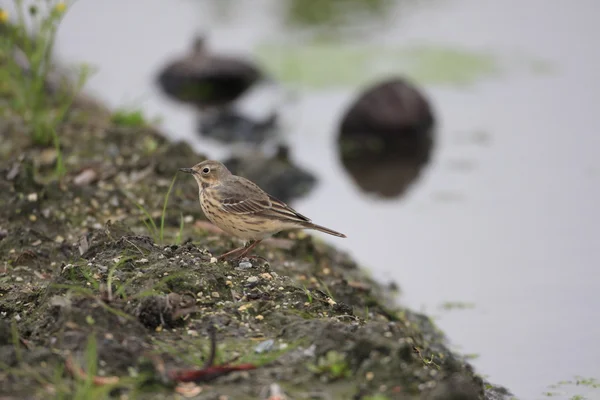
231, 126
208, 80
386, 136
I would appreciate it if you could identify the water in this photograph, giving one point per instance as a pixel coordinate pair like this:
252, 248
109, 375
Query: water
505, 216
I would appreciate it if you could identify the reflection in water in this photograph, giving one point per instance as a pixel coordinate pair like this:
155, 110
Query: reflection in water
276, 175
206, 80
386, 136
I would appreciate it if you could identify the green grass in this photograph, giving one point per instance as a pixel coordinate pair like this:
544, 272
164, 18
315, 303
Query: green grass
158, 232
25, 84
129, 118
332, 366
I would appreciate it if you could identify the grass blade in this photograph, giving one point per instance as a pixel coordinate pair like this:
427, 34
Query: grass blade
164, 211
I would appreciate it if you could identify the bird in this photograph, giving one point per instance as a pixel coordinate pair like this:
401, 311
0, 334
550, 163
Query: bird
242, 209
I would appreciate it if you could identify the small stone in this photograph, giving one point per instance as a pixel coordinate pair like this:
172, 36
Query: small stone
259, 317
213, 260
229, 283
326, 271
215, 294
19, 279
85, 177
37, 242
32, 197
141, 261
266, 276
192, 332
59, 239
265, 346
252, 279
245, 265
243, 307
32, 218
369, 376
188, 219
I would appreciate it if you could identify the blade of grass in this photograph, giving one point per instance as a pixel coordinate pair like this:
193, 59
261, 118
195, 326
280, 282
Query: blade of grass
164, 211
152, 227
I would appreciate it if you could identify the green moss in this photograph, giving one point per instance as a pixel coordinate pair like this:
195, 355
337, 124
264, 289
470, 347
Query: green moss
329, 64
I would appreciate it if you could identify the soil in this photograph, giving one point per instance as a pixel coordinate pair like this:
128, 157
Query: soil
94, 303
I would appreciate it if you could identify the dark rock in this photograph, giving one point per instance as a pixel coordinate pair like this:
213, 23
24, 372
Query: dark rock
231, 126
456, 387
155, 311
385, 137
206, 80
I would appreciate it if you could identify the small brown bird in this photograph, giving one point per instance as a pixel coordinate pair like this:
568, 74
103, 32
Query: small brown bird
242, 209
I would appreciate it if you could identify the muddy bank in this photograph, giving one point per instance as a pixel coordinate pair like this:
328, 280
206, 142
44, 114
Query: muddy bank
95, 302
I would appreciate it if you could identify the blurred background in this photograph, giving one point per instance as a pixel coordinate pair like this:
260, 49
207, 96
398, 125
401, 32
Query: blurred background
455, 142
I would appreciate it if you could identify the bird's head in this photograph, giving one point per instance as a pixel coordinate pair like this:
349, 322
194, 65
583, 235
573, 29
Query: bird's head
208, 173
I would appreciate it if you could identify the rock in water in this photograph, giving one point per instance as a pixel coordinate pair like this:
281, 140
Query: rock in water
207, 80
385, 137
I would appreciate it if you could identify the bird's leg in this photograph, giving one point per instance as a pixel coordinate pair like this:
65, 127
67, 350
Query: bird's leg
229, 253
248, 248
245, 248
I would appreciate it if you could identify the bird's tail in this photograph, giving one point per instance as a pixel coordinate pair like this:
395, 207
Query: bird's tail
310, 225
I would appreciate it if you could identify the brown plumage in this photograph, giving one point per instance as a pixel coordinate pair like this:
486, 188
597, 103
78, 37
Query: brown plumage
242, 209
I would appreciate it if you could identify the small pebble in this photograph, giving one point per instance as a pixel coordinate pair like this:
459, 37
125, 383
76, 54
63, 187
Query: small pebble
229, 283
215, 294
245, 265
32, 197
188, 219
259, 317
32, 218
265, 346
213, 260
141, 261
266, 276
252, 279
369, 376
59, 239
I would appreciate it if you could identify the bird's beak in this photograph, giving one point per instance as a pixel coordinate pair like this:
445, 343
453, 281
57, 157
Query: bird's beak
187, 170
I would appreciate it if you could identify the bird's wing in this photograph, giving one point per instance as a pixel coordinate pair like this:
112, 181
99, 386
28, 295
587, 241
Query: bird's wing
282, 210
240, 196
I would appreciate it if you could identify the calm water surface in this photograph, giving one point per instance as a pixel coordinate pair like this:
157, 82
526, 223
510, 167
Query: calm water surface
506, 215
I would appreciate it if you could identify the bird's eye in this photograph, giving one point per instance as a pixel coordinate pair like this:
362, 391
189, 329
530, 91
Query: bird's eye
206, 170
